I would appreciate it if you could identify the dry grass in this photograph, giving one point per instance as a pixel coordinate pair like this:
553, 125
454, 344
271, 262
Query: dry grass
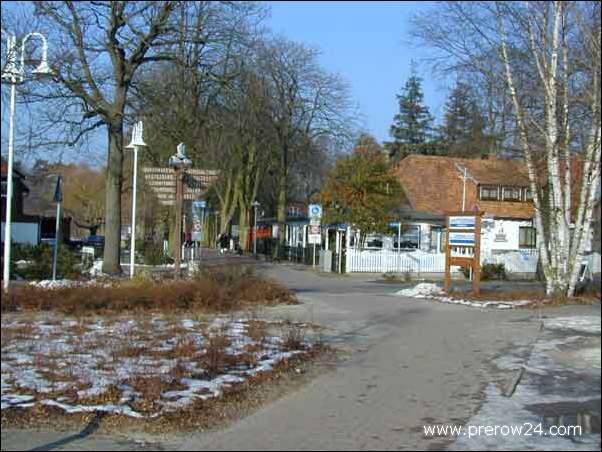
538, 298
236, 403
215, 292
293, 336
257, 330
215, 359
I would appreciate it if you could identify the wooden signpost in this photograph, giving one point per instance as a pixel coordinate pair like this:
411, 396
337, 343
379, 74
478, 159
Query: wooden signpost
163, 182
464, 246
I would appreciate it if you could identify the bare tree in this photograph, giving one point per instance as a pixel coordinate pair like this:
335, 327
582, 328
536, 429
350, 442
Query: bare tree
97, 50
547, 56
308, 103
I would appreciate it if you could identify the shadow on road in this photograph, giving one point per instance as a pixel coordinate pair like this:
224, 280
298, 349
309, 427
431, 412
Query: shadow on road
92, 427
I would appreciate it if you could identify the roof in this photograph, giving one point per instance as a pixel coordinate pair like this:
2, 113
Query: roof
433, 184
16, 172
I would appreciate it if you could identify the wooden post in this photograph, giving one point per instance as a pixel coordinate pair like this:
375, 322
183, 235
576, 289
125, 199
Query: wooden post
178, 238
447, 259
476, 272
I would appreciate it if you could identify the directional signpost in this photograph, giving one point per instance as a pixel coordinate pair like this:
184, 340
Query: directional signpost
464, 247
163, 183
315, 231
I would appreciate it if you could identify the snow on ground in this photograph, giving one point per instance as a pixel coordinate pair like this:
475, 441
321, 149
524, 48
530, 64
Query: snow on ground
557, 391
581, 324
111, 365
435, 292
63, 283
422, 290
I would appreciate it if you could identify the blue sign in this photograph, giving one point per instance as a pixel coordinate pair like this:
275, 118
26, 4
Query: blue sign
461, 239
462, 222
199, 204
315, 211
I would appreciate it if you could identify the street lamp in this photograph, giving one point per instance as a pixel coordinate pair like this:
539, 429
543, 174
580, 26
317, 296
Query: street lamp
255, 206
14, 73
136, 143
178, 162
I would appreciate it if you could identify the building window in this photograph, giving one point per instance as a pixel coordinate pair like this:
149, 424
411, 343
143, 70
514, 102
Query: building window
511, 194
527, 237
374, 243
410, 239
436, 239
528, 195
489, 193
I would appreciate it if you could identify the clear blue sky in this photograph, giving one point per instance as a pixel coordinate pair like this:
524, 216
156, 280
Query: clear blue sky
367, 42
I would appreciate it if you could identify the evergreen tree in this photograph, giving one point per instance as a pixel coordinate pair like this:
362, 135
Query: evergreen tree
463, 129
412, 126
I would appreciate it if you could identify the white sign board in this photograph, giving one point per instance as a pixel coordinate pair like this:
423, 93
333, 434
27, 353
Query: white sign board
461, 239
314, 235
462, 222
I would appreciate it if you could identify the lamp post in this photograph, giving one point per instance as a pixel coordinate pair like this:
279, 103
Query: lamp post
179, 162
255, 206
136, 143
14, 73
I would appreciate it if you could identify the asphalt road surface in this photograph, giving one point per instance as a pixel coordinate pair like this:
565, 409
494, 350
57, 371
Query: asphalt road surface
408, 363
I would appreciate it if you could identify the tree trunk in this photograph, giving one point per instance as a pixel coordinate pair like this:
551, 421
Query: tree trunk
282, 195
243, 228
111, 263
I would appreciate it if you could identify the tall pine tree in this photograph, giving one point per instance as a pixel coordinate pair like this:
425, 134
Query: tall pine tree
463, 130
413, 125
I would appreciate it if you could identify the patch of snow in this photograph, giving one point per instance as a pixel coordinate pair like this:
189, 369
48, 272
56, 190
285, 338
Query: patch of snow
435, 292
579, 323
88, 353
64, 284
421, 290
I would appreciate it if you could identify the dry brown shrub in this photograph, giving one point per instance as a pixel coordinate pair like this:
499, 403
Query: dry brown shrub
215, 358
257, 330
211, 292
185, 348
293, 336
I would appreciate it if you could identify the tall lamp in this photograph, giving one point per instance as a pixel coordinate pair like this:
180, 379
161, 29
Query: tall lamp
14, 74
136, 143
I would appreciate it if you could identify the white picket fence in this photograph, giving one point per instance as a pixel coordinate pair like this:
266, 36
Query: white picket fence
383, 261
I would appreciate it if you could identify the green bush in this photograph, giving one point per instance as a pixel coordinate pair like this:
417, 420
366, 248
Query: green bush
489, 272
493, 272
39, 260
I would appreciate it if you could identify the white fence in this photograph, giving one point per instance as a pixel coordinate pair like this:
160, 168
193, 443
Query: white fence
383, 261
390, 261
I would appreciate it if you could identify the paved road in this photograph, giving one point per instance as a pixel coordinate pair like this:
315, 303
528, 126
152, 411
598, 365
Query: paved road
410, 363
